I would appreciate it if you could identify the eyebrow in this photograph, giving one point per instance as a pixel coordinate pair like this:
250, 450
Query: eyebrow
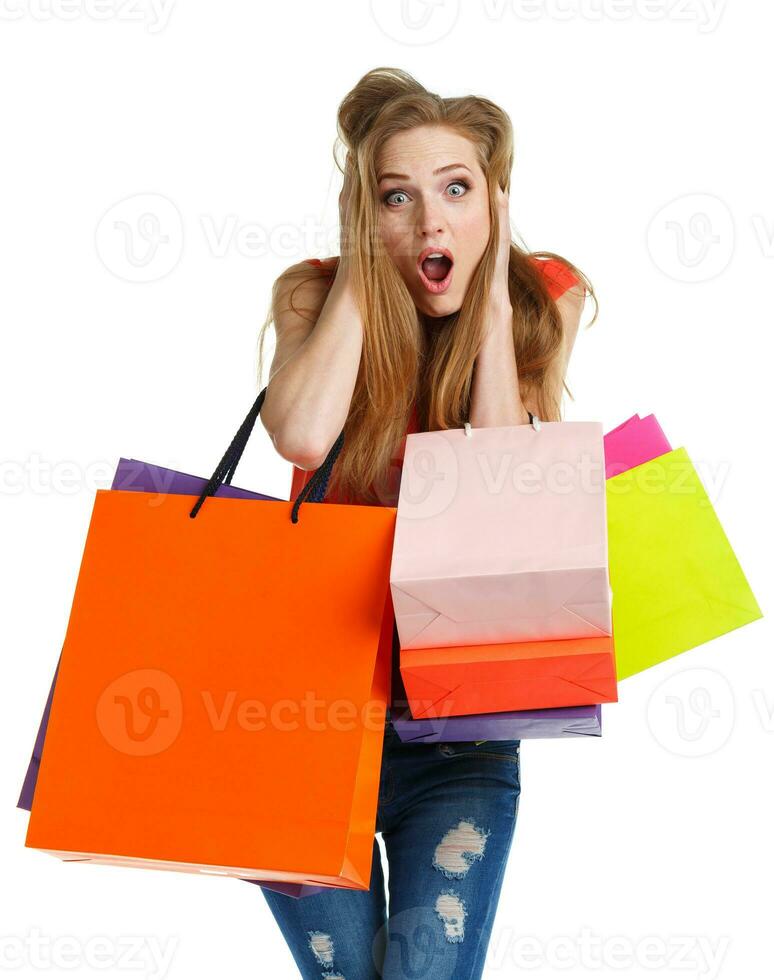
440, 170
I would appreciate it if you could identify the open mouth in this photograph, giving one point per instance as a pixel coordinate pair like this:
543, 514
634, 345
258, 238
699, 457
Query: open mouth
435, 269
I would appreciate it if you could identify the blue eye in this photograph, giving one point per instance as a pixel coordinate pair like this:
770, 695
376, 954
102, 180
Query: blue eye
462, 183
387, 197
390, 194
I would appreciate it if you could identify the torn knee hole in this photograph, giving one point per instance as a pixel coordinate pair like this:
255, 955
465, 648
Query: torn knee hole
321, 945
459, 848
451, 911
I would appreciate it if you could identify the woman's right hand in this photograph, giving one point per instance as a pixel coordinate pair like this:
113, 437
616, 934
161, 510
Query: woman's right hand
345, 213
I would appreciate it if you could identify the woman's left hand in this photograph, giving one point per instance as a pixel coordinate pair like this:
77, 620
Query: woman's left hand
499, 294
495, 393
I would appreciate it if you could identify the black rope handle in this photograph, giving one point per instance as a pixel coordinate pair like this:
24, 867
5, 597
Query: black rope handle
314, 491
229, 476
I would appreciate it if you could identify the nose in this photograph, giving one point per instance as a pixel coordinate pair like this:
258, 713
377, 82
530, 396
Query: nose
429, 223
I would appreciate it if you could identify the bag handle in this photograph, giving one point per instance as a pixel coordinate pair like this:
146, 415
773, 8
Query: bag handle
534, 421
314, 490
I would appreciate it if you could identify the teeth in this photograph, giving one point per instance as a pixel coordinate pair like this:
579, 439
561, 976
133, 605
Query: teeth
435, 255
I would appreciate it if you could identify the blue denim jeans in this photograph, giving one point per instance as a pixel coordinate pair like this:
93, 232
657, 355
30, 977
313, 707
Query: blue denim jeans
447, 814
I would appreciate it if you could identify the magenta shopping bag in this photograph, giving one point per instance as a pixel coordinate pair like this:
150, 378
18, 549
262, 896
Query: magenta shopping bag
632, 443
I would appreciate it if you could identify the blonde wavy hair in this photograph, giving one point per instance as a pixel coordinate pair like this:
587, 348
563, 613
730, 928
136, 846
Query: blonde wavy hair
402, 363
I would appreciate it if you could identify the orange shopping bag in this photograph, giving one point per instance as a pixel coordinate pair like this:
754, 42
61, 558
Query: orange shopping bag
521, 676
219, 705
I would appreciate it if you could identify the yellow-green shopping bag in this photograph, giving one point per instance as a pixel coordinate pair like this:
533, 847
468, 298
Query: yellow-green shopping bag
675, 579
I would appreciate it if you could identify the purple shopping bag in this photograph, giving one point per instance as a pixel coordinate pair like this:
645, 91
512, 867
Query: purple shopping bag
132, 474
539, 723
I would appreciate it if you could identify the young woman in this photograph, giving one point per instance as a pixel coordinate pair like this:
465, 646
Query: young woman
430, 317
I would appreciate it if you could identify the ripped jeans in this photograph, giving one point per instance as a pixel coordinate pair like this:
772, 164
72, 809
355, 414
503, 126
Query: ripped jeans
447, 814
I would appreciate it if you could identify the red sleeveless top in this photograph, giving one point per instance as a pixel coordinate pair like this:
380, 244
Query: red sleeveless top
558, 279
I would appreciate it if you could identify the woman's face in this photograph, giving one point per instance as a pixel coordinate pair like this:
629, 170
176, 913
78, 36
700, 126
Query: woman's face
433, 198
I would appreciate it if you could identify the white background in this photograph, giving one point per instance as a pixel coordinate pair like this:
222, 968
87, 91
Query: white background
223, 115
